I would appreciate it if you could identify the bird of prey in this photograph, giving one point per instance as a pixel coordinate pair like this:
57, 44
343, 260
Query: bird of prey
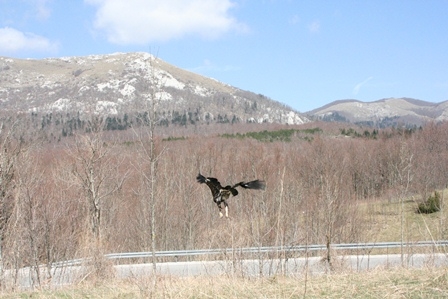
221, 194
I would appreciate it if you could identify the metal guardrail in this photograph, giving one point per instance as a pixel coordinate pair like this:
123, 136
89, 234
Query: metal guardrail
264, 249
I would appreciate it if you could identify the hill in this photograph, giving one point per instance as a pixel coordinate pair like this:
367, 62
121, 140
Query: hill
383, 113
111, 85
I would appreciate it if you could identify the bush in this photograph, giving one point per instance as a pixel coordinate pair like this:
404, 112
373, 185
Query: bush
431, 205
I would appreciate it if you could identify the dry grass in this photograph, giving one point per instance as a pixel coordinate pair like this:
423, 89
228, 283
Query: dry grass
384, 220
397, 283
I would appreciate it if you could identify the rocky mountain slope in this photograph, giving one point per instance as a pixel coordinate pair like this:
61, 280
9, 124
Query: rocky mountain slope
385, 112
113, 84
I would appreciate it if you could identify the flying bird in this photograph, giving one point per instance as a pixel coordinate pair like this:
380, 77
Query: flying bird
221, 194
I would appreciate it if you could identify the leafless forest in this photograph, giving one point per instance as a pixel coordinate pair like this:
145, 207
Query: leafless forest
135, 190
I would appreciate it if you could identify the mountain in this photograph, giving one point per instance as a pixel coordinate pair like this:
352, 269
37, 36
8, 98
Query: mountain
111, 85
382, 113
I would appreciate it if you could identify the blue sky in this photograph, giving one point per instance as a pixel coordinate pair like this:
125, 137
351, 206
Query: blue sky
302, 53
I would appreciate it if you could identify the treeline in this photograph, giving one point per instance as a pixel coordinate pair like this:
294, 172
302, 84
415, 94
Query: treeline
93, 190
284, 135
383, 123
63, 125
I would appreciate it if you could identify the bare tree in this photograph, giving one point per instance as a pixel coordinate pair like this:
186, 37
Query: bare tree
327, 186
403, 171
28, 224
95, 169
150, 152
10, 149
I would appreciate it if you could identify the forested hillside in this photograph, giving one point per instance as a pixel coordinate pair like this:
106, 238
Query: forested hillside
129, 190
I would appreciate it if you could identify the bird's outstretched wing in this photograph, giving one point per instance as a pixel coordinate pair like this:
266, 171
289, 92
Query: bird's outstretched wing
217, 189
257, 185
212, 183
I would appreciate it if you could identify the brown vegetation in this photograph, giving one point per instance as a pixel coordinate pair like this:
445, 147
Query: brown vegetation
381, 283
119, 192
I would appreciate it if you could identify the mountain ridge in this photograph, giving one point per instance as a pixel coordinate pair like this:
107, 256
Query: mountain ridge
383, 112
111, 83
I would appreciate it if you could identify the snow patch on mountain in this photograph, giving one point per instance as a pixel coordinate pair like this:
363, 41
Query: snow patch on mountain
127, 90
201, 91
112, 84
163, 96
106, 107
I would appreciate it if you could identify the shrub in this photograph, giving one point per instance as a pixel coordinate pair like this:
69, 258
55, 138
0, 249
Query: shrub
431, 205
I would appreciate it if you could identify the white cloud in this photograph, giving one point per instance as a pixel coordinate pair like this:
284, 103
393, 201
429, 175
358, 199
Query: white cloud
144, 21
359, 85
12, 40
314, 27
295, 19
43, 12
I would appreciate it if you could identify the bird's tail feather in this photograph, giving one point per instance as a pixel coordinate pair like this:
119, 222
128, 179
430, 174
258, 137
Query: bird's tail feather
257, 184
200, 178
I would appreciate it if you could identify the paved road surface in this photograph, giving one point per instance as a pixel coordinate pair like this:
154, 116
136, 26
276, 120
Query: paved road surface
293, 266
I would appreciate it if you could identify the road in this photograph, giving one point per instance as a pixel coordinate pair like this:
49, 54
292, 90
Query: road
249, 268
294, 266
68, 272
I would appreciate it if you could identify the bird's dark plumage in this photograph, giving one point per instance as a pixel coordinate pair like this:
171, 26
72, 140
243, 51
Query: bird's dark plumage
221, 194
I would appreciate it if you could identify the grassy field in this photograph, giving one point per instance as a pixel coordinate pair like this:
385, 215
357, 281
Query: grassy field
386, 223
398, 283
